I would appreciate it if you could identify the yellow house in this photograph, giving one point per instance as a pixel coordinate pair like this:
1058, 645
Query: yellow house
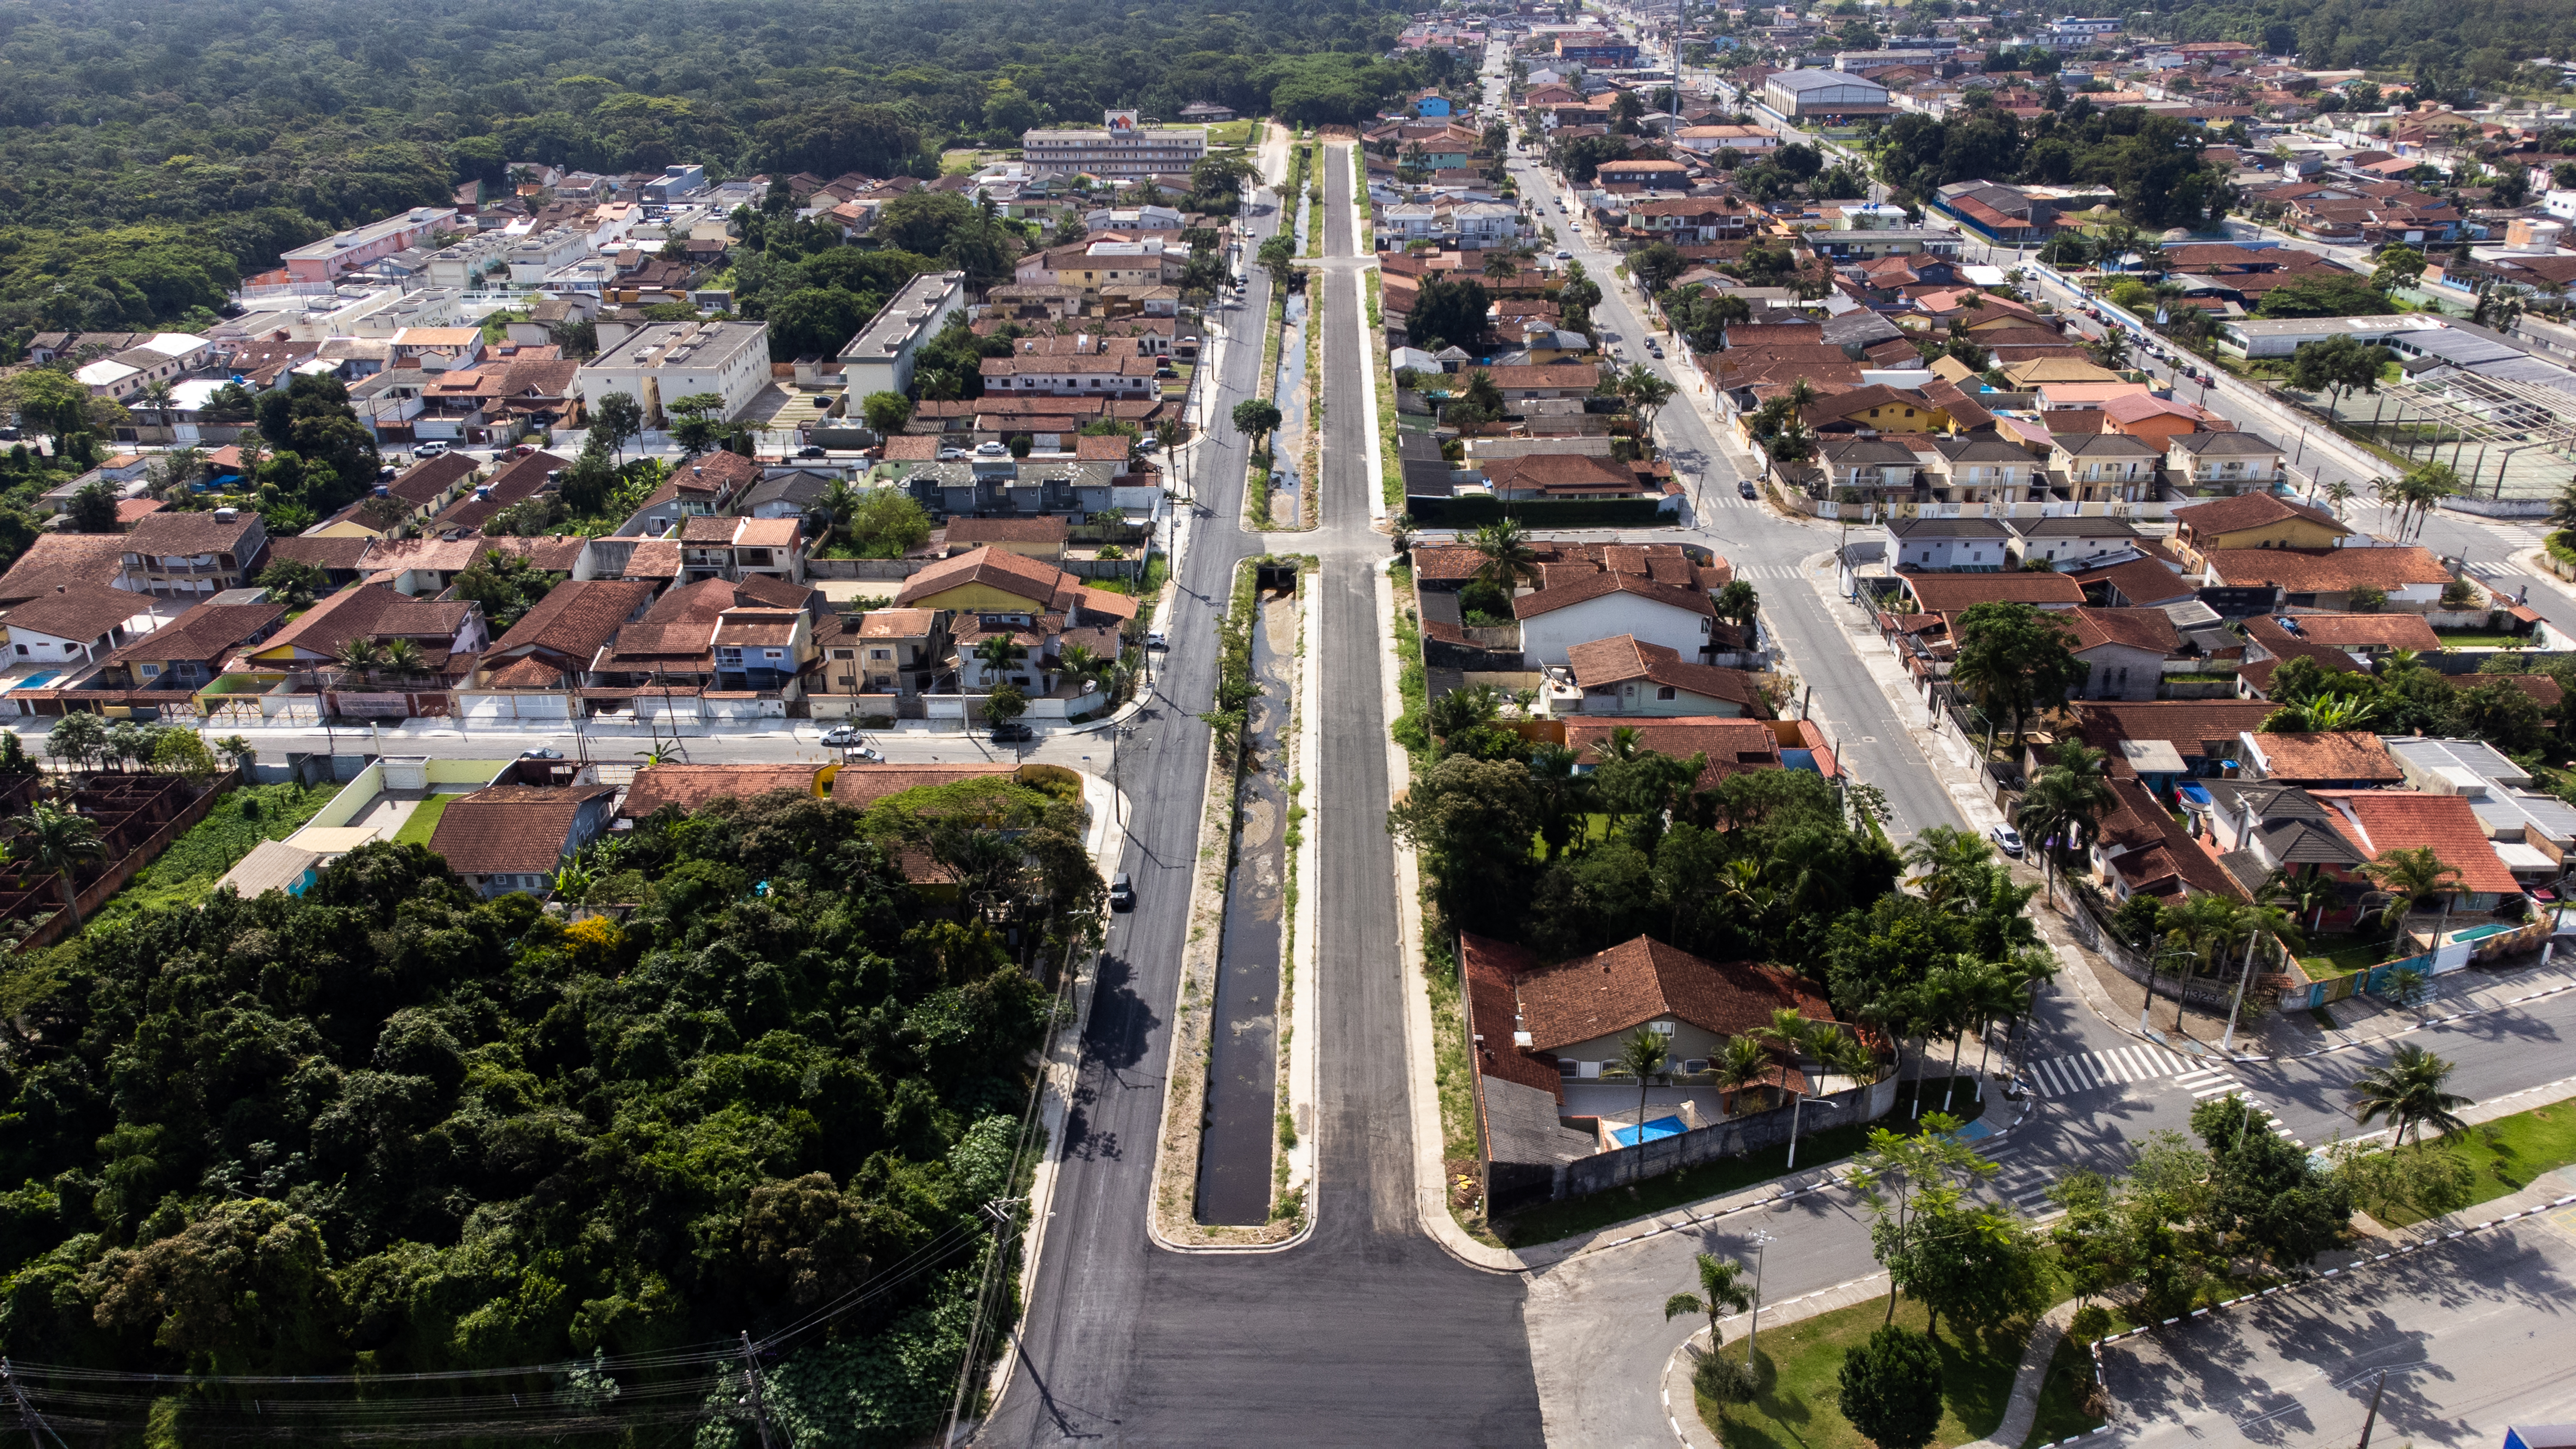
1879, 408
2253, 520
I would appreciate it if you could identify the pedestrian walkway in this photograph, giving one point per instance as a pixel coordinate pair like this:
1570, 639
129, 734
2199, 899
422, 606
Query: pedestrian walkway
2023, 1183
1766, 571
2211, 1082
2066, 1076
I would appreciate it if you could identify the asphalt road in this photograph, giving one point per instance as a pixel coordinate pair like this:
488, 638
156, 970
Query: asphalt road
2471, 1337
1366, 1332
1595, 1322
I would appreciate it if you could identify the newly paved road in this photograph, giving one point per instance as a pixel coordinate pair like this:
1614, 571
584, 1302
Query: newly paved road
1366, 1332
2467, 1338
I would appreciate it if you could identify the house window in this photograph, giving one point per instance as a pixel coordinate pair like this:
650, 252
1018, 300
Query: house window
872, 654
1666, 692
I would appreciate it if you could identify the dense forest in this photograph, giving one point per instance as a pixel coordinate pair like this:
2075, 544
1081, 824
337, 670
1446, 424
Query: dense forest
2435, 41
152, 152
390, 1128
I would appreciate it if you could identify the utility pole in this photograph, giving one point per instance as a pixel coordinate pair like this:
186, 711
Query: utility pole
1752, 1334
751, 1372
2372, 1421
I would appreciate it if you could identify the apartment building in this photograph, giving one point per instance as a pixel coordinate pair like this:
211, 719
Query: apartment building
880, 358
1125, 144
661, 362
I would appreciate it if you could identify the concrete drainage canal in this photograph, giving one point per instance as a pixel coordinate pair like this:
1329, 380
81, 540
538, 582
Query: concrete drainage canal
1235, 1148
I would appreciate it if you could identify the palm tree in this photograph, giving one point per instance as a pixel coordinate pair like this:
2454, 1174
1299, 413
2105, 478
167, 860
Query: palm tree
1081, 662
1722, 1290
2204, 926
1623, 743
837, 505
57, 840
1499, 264
1646, 391
1744, 1064
2338, 493
1640, 1056
1509, 559
999, 653
2408, 876
2068, 799
2408, 1089
358, 655
2309, 896
403, 657
1400, 532
1945, 856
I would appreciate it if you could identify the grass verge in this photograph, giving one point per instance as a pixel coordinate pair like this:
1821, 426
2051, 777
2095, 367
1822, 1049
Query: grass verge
2506, 1154
1799, 1367
187, 872
423, 821
1550, 1221
1390, 464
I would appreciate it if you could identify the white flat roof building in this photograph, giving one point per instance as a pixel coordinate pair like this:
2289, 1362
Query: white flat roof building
660, 363
1124, 145
880, 358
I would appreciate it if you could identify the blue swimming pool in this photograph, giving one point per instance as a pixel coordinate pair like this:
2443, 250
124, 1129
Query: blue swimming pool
1656, 1130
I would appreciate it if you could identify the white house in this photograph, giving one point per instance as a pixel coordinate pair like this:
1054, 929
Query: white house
1608, 605
660, 363
1628, 676
76, 624
1948, 545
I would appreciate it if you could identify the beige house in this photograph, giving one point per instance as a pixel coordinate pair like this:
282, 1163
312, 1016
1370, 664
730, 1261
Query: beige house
2224, 462
2102, 467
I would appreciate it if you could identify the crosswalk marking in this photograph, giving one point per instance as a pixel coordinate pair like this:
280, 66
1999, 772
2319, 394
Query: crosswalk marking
2208, 1083
1767, 571
2494, 569
2065, 1076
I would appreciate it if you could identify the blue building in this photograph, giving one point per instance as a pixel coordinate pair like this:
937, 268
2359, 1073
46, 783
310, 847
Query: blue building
1431, 104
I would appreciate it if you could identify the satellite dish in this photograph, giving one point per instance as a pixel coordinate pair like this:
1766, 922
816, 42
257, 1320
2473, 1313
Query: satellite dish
1089, 685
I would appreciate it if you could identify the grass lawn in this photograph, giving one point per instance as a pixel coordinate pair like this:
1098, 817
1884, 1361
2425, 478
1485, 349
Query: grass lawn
2061, 1399
2343, 955
186, 873
1800, 1365
423, 821
2481, 639
1231, 133
2507, 1153
1550, 1221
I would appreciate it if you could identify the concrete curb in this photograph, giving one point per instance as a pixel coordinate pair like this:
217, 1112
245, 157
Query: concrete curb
2374, 1260
1205, 875
1691, 1433
1422, 1084
1063, 1056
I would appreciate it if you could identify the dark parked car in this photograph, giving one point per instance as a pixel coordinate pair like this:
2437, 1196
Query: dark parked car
1744, 488
1122, 892
1012, 732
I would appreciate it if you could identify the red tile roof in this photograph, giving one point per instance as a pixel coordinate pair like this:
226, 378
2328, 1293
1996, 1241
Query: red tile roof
1613, 661
2380, 821
2248, 510
1584, 588
79, 612
1642, 980
2148, 629
691, 787
1042, 584
510, 829
1952, 593
2324, 758
2325, 570
860, 786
